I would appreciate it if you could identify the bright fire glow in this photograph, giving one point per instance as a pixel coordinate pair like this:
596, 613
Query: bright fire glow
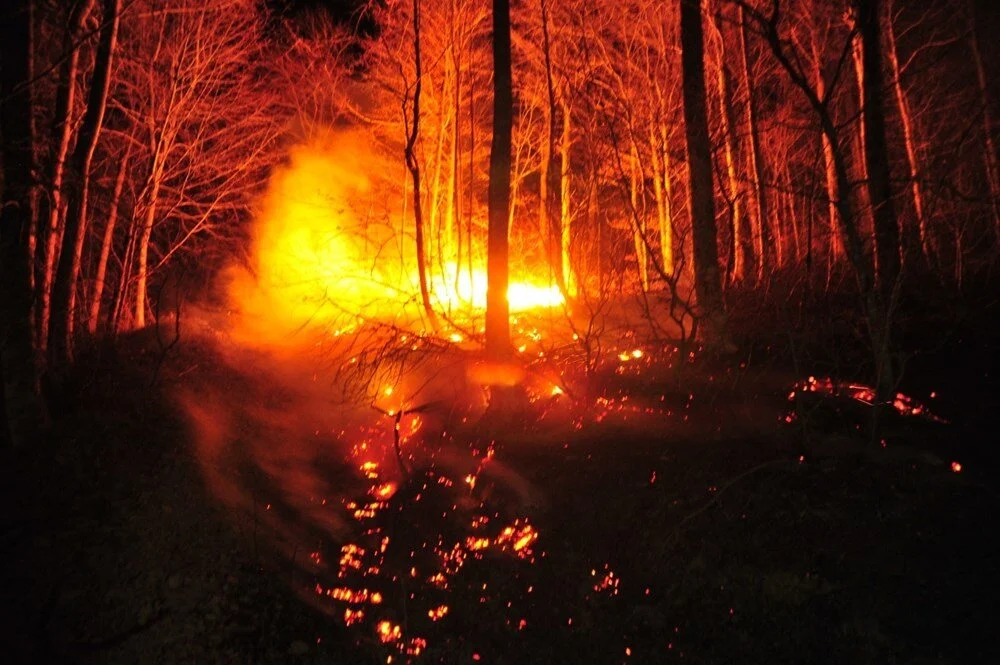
329, 243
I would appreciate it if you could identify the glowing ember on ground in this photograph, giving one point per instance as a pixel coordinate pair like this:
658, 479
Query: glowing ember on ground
903, 404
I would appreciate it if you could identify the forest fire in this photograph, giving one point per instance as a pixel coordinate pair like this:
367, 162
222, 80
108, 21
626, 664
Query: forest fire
423, 331
323, 254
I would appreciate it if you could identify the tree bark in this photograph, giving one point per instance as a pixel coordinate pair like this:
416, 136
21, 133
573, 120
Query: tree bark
877, 153
102, 261
497, 307
662, 191
68, 272
565, 213
62, 134
761, 223
708, 284
739, 255
639, 233
912, 161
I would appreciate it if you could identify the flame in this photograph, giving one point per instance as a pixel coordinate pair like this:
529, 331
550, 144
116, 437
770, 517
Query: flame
329, 246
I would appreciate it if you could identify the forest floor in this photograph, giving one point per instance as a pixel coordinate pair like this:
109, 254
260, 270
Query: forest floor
681, 518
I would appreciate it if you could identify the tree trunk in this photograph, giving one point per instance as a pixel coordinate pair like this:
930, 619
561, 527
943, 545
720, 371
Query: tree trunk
497, 307
102, 261
142, 264
662, 192
565, 213
68, 273
20, 407
414, 167
62, 134
639, 233
912, 163
548, 185
761, 223
737, 269
434, 227
836, 246
992, 162
454, 175
877, 153
708, 284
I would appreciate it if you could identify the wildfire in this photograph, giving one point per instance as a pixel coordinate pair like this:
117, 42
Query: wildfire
323, 251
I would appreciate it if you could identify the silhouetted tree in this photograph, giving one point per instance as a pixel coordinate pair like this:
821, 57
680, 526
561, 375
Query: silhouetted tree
497, 307
708, 283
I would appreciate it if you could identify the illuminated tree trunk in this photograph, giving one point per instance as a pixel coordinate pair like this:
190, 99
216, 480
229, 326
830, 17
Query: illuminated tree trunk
662, 192
454, 177
836, 246
545, 159
63, 132
142, 264
761, 223
472, 176
20, 407
912, 164
877, 153
102, 261
565, 216
992, 162
547, 173
117, 323
497, 307
413, 165
708, 283
739, 254
639, 234
436, 200
68, 273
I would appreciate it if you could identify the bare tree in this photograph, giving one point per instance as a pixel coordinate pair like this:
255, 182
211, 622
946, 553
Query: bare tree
68, 271
62, 137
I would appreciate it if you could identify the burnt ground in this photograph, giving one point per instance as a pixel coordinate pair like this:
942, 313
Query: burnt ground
729, 535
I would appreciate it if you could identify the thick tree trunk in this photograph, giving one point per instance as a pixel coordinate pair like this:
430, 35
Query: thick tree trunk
68, 273
20, 408
497, 307
708, 283
877, 153
62, 134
